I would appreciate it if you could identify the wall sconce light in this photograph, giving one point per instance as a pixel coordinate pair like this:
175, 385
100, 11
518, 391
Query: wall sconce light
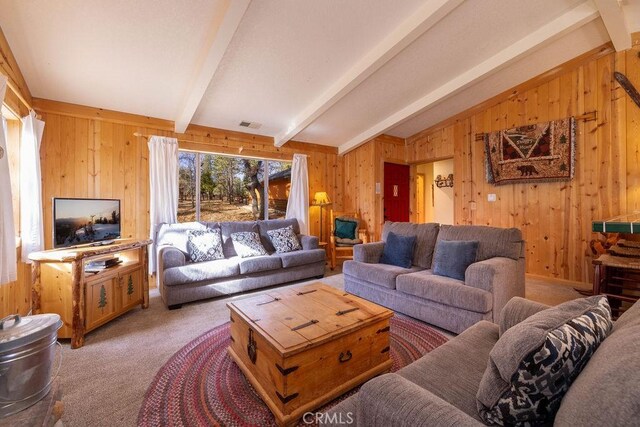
444, 182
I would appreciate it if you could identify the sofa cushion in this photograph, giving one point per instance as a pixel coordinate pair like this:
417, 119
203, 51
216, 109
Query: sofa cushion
426, 235
445, 290
398, 250
257, 264
296, 258
284, 240
347, 242
264, 226
453, 371
378, 274
204, 245
607, 390
534, 362
493, 241
197, 272
228, 228
247, 244
452, 257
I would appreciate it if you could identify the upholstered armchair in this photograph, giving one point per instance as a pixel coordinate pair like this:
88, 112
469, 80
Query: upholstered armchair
346, 232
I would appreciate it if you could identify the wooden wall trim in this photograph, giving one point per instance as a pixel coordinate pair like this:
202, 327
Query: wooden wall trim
220, 136
9, 67
572, 64
84, 112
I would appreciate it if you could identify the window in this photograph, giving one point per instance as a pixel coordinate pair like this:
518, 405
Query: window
215, 187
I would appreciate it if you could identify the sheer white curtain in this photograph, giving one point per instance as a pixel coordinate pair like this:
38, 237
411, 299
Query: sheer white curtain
163, 177
8, 261
298, 204
31, 186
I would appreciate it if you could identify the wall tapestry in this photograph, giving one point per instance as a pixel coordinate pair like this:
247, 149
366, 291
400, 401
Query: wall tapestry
541, 152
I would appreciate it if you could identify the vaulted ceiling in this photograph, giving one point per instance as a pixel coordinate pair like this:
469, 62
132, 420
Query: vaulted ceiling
331, 72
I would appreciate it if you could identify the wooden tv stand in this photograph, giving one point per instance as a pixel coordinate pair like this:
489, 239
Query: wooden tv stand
84, 301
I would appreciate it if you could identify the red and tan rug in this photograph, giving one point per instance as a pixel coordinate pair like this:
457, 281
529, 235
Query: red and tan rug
201, 386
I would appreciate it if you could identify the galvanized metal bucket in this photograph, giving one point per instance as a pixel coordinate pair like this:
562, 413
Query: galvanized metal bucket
27, 353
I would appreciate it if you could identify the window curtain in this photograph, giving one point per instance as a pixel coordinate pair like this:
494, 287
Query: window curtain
31, 186
8, 261
298, 204
163, 177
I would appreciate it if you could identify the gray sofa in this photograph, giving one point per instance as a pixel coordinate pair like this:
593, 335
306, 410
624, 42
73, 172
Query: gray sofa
440, 388
454, 305
181, 281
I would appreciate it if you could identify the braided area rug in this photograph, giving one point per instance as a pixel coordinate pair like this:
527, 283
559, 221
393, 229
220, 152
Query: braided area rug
201, 386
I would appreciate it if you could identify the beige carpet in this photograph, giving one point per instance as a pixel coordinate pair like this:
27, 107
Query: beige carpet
104, 382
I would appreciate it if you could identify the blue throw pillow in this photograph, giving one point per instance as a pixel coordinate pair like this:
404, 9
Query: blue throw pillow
453, 257
398, 250
345, 229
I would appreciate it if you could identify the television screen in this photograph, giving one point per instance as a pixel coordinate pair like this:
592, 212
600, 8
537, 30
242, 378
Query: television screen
81, 221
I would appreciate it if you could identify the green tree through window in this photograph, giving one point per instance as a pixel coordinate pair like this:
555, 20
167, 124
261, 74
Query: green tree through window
215, 187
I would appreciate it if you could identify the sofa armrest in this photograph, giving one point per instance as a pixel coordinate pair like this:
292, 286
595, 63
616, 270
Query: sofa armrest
503, 277
368, 252
391, 400
308, 242
517, 310
169, 256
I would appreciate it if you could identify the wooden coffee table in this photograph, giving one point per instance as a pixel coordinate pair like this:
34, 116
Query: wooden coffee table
301, 348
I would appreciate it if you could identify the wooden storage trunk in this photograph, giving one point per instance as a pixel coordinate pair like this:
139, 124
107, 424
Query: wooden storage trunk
301, 348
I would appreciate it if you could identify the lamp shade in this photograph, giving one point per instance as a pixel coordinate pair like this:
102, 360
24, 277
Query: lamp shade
321, 198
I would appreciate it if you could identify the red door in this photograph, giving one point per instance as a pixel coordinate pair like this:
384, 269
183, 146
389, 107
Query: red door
396, 192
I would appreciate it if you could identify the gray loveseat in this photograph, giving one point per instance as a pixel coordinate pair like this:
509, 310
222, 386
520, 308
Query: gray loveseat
440, 388
181, 281
495, 277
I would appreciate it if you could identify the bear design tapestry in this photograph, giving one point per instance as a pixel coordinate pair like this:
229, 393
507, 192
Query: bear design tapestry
540, 152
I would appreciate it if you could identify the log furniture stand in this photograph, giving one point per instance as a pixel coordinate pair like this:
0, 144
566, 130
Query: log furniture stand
84, 301
301, 348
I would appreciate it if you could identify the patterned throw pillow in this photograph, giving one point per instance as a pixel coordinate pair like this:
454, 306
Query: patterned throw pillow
204, 245
247, 244
528, 390
284, 240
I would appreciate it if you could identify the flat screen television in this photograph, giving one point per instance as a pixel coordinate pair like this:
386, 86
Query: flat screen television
85, 221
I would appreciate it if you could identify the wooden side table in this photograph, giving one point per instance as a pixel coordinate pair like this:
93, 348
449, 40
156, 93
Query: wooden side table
619, 279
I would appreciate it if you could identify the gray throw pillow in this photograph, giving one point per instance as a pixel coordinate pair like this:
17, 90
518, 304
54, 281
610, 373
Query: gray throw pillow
534, 363
284, 240
247, 244
453, 257
204, 245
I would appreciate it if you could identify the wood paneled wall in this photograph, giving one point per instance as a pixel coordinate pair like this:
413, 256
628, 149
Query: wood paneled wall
363, 168
554, 217
90, 152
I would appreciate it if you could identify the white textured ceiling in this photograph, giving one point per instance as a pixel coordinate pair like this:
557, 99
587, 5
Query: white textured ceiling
332, 72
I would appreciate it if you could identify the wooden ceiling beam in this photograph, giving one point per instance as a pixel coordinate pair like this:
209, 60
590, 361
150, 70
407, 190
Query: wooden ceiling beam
571, 20
226, 22
614, 20
405, 34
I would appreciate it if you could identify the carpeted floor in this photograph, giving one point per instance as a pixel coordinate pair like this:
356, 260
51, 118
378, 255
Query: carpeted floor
201, 385
104, 382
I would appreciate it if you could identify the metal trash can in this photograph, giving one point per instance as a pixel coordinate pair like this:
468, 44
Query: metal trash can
27, 353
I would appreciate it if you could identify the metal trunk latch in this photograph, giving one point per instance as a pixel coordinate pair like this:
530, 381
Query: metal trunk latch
252, 348
345, 357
